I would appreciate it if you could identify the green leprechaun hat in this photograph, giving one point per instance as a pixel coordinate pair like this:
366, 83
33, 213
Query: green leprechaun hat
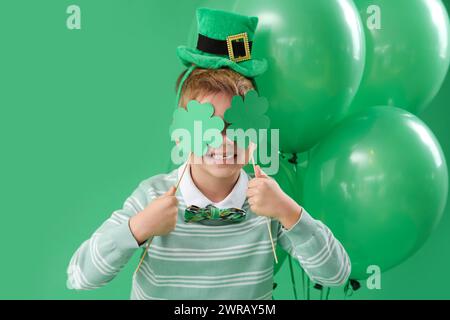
225, 39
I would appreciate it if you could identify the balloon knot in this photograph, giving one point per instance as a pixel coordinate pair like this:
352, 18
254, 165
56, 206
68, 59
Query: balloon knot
293, 159
355, 284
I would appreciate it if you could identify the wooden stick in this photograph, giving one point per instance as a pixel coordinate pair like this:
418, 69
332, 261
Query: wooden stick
184, 170
149, 241
253, 148
143, 255
271, 240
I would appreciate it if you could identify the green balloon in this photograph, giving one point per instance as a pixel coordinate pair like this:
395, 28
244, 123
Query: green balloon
286, 175
316, 52
407, 53
380, 182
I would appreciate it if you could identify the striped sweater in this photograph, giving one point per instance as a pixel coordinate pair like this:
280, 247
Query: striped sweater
197, 261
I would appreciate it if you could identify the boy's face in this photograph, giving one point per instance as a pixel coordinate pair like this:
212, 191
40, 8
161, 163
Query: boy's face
227, 160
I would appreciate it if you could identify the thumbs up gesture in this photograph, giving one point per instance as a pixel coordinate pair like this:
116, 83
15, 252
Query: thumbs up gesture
266, 198
158, 218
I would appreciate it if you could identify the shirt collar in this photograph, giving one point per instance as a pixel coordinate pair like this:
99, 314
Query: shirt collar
193, 196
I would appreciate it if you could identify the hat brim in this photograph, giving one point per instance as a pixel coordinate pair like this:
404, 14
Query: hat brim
249, 68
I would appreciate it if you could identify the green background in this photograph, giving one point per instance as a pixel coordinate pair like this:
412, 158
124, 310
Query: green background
83, 119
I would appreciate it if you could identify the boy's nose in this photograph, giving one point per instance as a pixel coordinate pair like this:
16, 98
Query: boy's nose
224, 134
225, 127
227, 140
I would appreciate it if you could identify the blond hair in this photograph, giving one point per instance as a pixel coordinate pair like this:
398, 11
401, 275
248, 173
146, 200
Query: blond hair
206, 81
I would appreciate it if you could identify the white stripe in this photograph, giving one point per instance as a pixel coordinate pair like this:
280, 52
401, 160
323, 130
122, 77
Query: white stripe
218, 234
114, 220
140, 205
185, 250
231, 275
195, 258
150, 274
213, 229
104, 262
323, 259
267, 295
208, 286
318, 255
72, 272
210, 254
75, 271
200, 226
119, 216
131, 203
135, 294
83, 280
79, 277
339, 276
143, 295
208, 278
77, 282
95, 259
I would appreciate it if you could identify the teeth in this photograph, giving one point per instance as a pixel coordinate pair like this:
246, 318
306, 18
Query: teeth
222, 157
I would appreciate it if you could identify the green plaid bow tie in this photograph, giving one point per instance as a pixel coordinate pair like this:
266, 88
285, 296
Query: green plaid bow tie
210, 212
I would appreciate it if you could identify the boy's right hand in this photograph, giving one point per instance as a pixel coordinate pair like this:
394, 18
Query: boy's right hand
158, 218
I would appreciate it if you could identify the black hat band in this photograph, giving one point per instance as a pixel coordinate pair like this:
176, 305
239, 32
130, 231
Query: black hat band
220, 47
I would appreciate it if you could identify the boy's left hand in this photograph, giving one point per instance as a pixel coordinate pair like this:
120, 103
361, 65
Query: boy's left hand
266, 198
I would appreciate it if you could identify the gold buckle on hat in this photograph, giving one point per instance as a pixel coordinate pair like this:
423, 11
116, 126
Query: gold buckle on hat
237, 37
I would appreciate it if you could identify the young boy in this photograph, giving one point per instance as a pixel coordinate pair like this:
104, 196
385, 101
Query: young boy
209, 260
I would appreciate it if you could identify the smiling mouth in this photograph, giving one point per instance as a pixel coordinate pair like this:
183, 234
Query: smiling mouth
221, 156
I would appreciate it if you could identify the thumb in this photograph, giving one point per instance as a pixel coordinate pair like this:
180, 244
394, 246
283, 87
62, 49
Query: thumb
259, 173
171, 191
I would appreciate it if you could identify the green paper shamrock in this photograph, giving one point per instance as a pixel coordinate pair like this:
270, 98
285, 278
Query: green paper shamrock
196, 128
244, 114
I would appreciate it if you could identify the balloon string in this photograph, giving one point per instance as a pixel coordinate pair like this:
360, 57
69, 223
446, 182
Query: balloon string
303, 284
273, 289
291, 269
149, 241
327, 294
347, 290
324, 292
308, 289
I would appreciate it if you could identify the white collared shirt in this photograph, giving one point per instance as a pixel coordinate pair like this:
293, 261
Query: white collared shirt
193, 196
